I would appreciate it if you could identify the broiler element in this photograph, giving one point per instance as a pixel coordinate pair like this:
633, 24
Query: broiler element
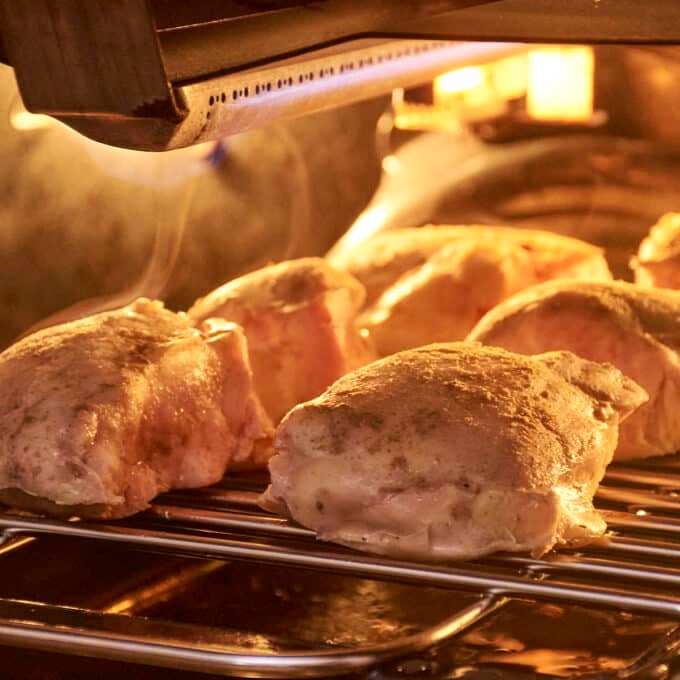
100, 415
432, 284
657, 262
299, 318
158, 76
453, 451
636, 329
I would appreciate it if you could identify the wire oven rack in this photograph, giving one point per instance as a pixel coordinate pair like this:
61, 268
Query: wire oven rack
633, 569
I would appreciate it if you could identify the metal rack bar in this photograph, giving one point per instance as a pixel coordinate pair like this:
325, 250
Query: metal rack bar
596, 567
642, 522
174, 645
638, 499
353, 563
10, 542
644, 477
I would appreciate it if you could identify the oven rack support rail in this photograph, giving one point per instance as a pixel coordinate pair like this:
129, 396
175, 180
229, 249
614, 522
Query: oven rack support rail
631, 569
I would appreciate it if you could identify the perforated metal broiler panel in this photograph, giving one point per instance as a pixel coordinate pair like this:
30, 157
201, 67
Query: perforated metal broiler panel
632, 575
170, 73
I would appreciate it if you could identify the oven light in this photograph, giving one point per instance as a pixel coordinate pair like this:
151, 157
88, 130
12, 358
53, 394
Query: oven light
460, 80
468, 94
561, 84
477, 93
510, 77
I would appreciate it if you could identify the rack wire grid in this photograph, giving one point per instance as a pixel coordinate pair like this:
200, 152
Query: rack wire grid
631, 569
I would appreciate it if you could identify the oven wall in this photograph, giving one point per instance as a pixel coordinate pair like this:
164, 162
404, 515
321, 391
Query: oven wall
73, 227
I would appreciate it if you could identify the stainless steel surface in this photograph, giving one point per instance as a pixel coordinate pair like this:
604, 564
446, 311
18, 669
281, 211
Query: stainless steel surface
173, 646
631, 569
253, 98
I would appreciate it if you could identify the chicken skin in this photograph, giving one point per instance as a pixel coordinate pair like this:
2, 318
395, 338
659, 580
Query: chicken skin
636, 329
100, 415
657, 262
299, 320
432, 284
453, 451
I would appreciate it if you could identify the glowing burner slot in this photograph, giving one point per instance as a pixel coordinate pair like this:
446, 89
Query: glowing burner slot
561, 84
476, 93
552, 84
460, 80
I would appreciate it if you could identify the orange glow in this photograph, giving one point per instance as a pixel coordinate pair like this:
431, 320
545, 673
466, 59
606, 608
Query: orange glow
561, 84
128, 163
139, 167
460, 80
556, 81
482, 92
368, 223
24, 120
510, 77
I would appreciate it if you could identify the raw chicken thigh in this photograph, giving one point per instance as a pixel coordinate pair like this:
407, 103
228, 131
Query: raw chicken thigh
299, 319
433, 284
658, 259
100, 415
453, 451
636, 329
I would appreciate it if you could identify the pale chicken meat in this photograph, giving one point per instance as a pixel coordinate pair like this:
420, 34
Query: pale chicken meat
657, 262
299, 318
381, 260
100, 415
453, 451
637, 329
432, 284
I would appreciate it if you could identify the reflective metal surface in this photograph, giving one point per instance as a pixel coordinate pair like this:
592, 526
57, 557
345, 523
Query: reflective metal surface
243, 100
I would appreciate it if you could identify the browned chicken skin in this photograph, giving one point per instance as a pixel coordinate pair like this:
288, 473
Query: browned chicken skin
453, 451
299, 319
636, 329
657, 262
100, 415
432, 284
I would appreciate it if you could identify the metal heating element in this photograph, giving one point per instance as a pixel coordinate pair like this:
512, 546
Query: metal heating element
631, 569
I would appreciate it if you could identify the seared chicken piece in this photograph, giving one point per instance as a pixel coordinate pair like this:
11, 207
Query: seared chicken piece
658, 259
380, 261
453, 451
434, 283
636, 329
100, 415
299, 319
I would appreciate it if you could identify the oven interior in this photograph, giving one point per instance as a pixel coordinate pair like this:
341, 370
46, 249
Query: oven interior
204, 583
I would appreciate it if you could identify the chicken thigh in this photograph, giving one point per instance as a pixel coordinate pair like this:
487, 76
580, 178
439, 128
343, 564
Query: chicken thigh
433, 284
453, 451
100, 415
381, 260
636, 329
299, 319
657, 262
